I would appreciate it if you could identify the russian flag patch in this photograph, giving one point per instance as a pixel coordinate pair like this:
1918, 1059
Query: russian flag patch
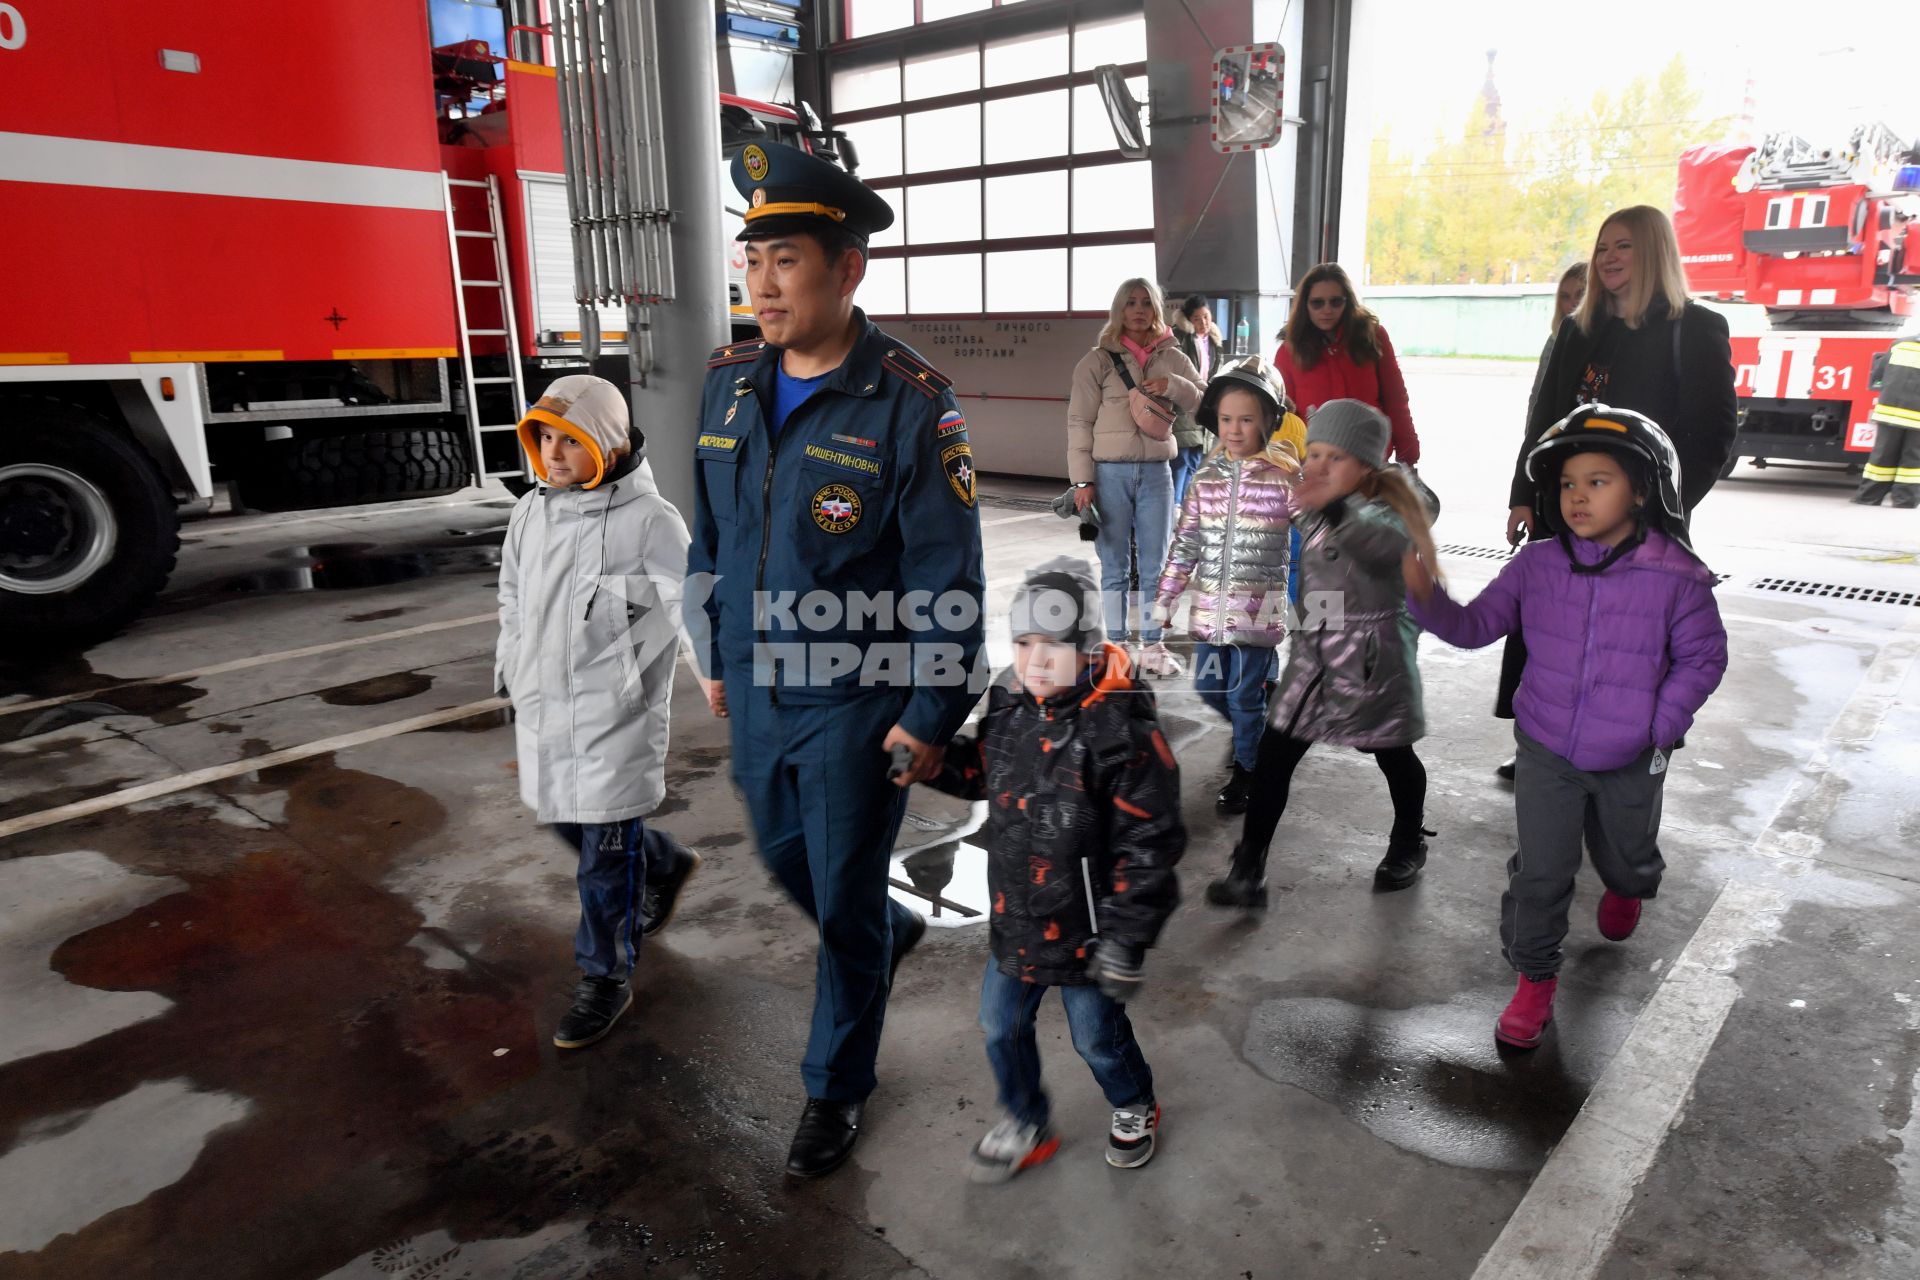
951, 424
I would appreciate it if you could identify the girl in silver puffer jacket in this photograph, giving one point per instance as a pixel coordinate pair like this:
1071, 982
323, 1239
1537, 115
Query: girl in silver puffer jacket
1230, 555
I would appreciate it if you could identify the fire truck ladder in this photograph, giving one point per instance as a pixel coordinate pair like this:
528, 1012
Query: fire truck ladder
478, 430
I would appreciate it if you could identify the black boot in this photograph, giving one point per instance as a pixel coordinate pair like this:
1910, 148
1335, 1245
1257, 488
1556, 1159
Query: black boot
1233, 796
1246, 881
1401, 866
1505, 770
597, 1005
659, 898
825, 1137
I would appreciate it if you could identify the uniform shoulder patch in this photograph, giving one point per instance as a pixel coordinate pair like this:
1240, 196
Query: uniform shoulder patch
917, 373
736, 352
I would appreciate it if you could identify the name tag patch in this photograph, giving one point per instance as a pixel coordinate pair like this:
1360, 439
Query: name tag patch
841, 458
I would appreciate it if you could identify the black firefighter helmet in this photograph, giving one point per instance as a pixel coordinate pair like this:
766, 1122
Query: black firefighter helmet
1247, 373
1644, 450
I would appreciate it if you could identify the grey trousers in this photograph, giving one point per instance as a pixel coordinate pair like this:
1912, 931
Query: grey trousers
1556, 806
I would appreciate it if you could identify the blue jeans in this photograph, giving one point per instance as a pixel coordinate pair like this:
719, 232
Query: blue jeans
1101, 1034
1136, 517
1184, 464
614, 860
1232, 679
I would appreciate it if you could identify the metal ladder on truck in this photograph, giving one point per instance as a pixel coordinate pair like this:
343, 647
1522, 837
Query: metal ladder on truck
474, 385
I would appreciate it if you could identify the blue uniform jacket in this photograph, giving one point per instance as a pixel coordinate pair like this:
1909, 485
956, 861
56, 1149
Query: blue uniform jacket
866, 497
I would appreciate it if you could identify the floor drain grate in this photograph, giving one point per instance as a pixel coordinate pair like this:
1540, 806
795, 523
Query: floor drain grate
1477, 553
1834, 591
1018, 504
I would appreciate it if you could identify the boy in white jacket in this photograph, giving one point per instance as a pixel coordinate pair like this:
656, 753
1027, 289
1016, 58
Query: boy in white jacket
590, 580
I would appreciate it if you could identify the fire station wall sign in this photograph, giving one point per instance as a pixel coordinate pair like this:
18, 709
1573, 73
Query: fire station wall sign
1247, 83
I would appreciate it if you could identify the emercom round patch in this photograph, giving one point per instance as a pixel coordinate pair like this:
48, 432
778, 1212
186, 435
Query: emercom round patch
836, 508
755, 162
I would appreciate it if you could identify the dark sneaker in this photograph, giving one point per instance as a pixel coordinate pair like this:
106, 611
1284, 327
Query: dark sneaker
597, 1005
660, 898
825, 1137
1505, 771
1233, 796
1130, 1144
1009, 1148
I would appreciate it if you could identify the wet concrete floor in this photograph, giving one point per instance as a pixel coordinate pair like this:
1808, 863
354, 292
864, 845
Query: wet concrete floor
297, 1023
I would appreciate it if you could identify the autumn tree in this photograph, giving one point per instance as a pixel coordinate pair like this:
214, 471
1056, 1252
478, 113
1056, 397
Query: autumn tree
1490, 205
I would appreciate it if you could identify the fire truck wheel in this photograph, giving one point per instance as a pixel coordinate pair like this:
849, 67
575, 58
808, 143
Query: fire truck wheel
348, 470
88, 528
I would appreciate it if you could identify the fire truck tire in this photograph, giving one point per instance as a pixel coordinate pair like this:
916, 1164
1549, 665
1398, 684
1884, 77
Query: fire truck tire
353, 469
88, 527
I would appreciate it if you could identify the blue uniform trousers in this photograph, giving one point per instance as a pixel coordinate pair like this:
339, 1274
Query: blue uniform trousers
815, 783
614, 861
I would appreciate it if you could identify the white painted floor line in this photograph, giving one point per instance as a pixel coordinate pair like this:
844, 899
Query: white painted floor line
258, 660
233, 769
1565, 1226
243, 522
1031, 515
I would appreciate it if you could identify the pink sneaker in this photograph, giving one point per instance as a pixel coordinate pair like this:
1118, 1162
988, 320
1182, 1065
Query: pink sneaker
1527, 1014
1618, 916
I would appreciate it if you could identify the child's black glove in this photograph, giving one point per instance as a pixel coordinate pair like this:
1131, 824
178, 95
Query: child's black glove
1115, 967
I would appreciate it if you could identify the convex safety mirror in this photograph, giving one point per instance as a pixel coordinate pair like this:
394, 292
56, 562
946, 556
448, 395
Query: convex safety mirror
1247, 80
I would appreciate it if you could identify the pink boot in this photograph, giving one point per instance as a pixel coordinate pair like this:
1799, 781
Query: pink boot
1618, 916
1527, 1014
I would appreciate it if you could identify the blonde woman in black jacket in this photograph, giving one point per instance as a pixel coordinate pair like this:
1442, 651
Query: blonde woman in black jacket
1636, 342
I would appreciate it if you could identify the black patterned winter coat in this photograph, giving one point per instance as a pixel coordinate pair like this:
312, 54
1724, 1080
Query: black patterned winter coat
1083, 821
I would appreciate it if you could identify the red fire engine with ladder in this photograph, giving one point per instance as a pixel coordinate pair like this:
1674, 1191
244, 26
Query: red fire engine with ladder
1825, 241
294, 249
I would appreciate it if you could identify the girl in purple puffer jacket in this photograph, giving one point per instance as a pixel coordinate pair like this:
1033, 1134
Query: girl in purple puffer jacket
1624, 646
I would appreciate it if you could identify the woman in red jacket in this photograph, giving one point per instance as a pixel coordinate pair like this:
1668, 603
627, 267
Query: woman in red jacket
1336, 349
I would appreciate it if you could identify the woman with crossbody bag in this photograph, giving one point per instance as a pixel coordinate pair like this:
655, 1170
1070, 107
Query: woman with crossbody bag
1127, 392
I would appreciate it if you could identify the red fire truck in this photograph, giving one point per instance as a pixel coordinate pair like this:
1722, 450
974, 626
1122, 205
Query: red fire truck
1824, 240
295, 249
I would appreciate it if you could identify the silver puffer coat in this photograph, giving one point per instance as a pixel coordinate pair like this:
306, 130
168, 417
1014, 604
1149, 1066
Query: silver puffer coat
1352, 679
1231, 549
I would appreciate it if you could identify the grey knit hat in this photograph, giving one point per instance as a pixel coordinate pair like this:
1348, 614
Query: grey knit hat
1354, 427
1060, 600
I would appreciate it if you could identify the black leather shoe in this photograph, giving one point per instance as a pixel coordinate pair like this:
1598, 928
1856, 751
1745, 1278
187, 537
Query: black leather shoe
824, 1139
1233, 796
1505, 771
597, 1005
1401, 866
905, 942
658, 900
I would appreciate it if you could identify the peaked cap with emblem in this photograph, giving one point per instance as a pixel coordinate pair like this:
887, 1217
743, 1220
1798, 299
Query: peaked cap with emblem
789, 190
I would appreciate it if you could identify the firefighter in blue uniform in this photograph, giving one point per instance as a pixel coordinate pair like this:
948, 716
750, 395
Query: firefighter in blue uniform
834, 505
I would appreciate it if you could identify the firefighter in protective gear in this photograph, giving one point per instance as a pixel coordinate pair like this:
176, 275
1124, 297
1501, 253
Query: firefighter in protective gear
1893, 468
834, 507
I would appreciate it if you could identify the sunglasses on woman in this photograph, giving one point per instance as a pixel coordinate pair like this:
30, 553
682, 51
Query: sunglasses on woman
1326, 304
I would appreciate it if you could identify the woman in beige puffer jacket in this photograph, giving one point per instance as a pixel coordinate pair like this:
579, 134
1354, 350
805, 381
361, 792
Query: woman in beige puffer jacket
1121, 468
